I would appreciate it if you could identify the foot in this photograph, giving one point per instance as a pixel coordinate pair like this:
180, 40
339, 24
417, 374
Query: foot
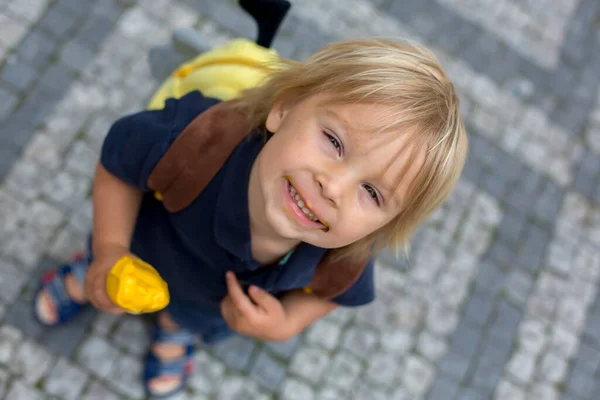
61, 294
166, 352
45, 304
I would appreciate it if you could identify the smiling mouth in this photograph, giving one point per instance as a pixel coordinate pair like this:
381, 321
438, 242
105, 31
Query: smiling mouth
304, 207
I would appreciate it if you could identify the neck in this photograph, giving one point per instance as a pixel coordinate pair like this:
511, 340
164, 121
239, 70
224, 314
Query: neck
267, 245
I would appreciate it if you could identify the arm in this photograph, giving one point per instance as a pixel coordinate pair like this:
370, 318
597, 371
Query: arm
116, 205
302, 310
115, 208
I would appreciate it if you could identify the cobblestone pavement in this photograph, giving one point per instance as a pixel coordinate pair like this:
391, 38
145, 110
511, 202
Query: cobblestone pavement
499, 297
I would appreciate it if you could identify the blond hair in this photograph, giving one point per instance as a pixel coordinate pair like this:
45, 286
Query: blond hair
406, 78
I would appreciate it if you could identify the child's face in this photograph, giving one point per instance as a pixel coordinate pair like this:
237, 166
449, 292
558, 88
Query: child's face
349, 181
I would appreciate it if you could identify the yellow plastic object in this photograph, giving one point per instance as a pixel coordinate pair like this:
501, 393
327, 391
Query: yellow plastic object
136, 286
223, 72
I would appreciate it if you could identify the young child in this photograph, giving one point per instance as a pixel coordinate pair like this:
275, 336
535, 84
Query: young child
349, 150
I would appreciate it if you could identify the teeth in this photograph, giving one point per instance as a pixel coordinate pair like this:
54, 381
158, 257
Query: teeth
301, 204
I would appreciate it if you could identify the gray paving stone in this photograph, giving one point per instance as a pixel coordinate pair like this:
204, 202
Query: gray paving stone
235, 352
399, 341
431, 346
284, 349
19, 315
8, 101
441, 319
478, 309
8, 157
20, 390
383, 369
472, 394
552, 368
77, 7
466, 339
94, 30
549, 202
65, 380
12, 280
518, 286
126, 376
63, 340
57, 78
28, 10
344, 370
4, 380
454, 365
31, 361
521, 367
237, 387
19, 75
444, 389
581, 382
324, 334
36, 48
364, 391
359, 341
11, 31
267, 372
97, 355
109, 9
486, 376
11, 340
76, 55
96, 391
294, 389
208, 373
418, 375
502, 253
310, 364
490, 279
58, 21
132, 335
588, 358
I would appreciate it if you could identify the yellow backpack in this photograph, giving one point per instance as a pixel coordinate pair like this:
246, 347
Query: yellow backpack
223, 72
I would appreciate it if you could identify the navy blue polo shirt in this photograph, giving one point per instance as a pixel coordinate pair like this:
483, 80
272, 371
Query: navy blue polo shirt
193, 248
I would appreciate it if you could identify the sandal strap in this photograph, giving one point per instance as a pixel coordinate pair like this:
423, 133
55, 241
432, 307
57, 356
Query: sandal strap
182, 336
79, 269
156, 367
65, 306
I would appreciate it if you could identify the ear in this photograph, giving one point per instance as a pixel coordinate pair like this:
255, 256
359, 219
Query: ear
276, 117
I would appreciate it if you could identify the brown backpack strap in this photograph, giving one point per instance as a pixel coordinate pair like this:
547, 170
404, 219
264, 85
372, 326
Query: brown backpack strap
333, 278
197, 154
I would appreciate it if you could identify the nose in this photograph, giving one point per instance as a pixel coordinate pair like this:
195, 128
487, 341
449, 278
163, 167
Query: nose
330, 188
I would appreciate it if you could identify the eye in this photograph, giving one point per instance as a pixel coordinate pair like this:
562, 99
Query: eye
373, 193
335, 142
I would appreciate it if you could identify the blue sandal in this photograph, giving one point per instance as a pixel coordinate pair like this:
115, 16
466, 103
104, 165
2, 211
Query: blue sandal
54, 281
182, 366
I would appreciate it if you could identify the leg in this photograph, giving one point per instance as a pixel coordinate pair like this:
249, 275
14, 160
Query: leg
169, 362
166, 352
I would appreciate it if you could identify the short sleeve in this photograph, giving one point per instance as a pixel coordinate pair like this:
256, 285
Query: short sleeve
362, 291
135, 143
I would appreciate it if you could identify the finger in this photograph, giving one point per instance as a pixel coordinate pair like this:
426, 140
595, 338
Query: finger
241, 302
227, 311
262, 298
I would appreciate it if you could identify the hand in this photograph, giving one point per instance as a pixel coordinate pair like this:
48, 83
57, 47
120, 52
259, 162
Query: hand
264, 319
105, 258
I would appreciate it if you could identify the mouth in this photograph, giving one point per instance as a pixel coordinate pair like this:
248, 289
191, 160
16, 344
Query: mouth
301, 208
